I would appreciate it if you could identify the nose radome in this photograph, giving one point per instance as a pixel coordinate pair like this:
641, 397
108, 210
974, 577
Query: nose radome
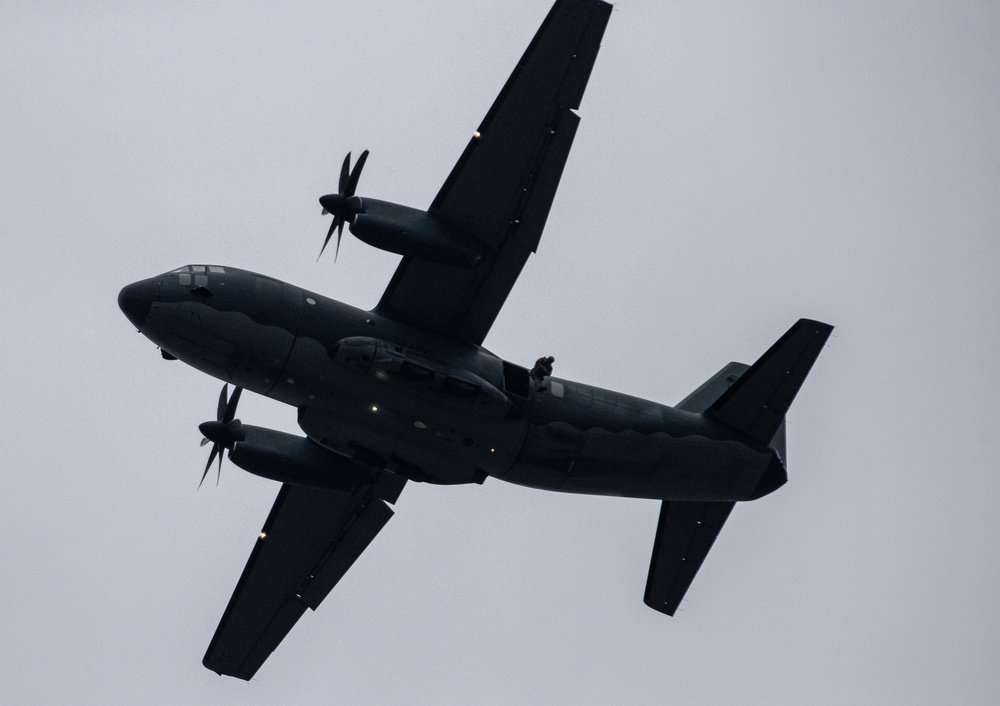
135, 301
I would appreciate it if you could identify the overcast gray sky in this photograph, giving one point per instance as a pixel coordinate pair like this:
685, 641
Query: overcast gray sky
739, 165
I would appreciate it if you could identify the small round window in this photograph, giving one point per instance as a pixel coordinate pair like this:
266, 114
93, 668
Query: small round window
310, 300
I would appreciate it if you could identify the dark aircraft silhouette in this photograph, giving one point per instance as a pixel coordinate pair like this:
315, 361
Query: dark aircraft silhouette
406, 391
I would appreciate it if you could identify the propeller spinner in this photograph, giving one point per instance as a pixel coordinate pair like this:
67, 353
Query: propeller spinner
344, 206
224, 432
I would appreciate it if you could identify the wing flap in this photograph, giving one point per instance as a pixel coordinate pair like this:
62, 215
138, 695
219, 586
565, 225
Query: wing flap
352, 542
309, 541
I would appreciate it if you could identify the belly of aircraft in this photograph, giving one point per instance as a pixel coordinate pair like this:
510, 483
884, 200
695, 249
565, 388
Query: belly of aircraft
558, 456
385, 407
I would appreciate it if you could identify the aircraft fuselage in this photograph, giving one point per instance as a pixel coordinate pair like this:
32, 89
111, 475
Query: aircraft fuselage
433, 409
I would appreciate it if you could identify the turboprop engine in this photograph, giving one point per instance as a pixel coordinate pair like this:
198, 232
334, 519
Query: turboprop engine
276, 455
406, 231
296, 460
413, 233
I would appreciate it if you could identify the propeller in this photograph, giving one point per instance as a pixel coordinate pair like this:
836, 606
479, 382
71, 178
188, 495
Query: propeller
224, 432
344, 206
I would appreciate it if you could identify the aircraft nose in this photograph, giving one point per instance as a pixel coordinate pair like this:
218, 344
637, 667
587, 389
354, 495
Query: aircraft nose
135, 300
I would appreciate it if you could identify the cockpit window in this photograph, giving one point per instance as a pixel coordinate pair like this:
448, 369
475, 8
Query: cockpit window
214, 269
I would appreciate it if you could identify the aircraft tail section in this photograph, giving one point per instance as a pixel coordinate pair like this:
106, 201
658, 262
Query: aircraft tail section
752, 399
757, 401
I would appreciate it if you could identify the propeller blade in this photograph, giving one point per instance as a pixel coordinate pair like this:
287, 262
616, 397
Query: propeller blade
225, 431
329, 234
355, 174
344, 206
344, 173
220, 409
211, 457
231, 407
340, 234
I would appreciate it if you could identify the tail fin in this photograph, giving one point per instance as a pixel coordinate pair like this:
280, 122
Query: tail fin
712, 389
757, 402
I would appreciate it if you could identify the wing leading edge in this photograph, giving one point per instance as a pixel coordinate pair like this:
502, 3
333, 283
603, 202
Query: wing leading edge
309, 541
500, 191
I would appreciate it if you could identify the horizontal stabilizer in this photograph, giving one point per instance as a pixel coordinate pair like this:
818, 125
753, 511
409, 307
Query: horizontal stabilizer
683, 537
757, 402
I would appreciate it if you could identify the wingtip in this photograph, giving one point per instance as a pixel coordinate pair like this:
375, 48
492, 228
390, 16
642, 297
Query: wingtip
820, 326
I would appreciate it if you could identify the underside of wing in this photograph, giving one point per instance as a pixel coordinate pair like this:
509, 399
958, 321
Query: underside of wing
500, 191
309, 541
684, 535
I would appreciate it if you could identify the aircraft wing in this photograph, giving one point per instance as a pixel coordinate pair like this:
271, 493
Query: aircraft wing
309, 541
500, 191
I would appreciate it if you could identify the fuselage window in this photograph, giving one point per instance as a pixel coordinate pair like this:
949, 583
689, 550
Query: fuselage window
201, 280
185, 279
198, 268
217, 269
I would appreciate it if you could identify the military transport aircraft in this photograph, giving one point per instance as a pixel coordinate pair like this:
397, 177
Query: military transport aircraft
407, 392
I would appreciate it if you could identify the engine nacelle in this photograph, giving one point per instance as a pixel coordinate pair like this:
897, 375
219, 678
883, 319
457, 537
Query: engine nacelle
296, 460
414, 233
